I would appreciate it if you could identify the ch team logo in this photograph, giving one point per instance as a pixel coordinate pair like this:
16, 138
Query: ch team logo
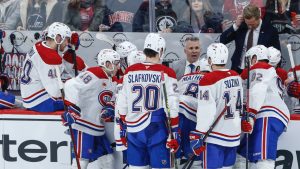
165, 22
86, 39
104, 97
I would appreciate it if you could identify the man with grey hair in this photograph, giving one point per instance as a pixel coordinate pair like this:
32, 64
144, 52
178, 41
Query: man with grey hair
192, 50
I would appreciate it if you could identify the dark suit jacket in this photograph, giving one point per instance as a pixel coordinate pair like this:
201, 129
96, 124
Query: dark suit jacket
268, 36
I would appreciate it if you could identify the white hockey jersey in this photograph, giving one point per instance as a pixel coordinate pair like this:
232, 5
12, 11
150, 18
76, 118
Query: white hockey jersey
216, 90
38, 80
142, 95
266, 92
188, 95
90, 91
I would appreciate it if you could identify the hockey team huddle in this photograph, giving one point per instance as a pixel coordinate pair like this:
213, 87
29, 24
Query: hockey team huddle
213, 118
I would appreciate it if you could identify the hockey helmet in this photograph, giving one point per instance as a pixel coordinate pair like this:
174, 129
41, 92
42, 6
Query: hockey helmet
125, 48
108, 55
204, 65
136, 57
155, 42
260, 51
274, 56
218, 53
58, 28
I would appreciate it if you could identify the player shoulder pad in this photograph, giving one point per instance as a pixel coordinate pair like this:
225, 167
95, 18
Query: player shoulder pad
261, 65
49, 56
244, 74
97, 71
215, 76
151, 67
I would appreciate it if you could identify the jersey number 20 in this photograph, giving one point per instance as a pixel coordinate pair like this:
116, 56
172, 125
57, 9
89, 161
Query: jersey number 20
149, 95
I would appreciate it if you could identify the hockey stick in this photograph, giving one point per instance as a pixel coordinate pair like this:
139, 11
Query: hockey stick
289, 48
105, 38
74, 42
247, 59
189, 163
60, 83
171, 136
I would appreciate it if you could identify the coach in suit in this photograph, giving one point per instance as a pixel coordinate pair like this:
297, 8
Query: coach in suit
191, 63
249, 30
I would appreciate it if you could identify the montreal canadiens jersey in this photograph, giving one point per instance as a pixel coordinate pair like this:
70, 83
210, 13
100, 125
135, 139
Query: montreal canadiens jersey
141, 96
38, 80
188, 95
69, 69
7, 100
266, 91
90, 91
220, 91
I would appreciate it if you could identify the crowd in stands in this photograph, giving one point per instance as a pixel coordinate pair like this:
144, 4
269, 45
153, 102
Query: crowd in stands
189, 16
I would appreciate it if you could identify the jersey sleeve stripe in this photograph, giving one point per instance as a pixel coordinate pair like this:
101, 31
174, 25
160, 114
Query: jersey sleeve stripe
187, 107
35, 98
27, 98
6, 104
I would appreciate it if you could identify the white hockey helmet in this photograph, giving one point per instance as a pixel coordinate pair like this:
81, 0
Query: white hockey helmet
108, 55
274, 56
136, 57
125, 48
218, 53
58, 28
155, 42
204, 65
260, 51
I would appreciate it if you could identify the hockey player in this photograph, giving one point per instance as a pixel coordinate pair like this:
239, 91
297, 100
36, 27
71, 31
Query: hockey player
141, 107
220, 93
274, 59
124, 49
188, 104
68, 63
268, 115
87, 95
39, 85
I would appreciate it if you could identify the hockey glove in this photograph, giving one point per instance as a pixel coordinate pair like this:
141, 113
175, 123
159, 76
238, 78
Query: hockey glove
108, 113
293, 89
247, 126
69, 117
196, 142
173, 144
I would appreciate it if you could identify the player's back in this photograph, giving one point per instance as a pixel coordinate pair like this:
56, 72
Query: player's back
90, 91
141, 96
216, 90
266, 92
38, 79
188, 95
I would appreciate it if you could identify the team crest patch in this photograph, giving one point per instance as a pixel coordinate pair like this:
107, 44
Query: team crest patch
163, 162
104, 97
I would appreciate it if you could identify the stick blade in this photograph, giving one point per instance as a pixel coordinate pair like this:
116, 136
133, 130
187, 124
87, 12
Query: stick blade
105, 38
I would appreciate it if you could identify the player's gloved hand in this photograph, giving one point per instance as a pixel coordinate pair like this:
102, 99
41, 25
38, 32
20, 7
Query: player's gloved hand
69, 117
293, 89
247, 126
108, 113
123, 133
173, 144
196, 142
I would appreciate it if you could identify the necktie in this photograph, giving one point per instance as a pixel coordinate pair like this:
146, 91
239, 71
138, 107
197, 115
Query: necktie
192, 66
250, 40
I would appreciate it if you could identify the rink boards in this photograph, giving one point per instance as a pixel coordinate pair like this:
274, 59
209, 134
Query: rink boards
32, 140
